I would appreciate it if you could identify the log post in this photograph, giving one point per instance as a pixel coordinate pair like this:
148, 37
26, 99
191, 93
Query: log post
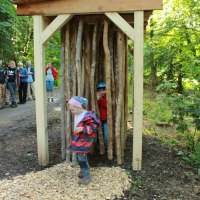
108, 90
67, 91
63, 97
120, 98
78, 56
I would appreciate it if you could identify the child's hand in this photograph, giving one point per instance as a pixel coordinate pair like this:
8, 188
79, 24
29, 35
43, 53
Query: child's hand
78, 129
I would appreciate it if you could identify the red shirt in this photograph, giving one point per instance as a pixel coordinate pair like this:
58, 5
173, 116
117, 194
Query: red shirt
102, 108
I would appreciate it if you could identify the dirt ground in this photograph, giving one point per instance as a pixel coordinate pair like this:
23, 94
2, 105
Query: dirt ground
164, 176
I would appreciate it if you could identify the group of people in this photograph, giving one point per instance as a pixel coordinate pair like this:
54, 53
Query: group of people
85, 129
13, 77
22, 77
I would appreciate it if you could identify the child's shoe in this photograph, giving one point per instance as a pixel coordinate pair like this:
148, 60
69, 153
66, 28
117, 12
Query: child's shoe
84, 181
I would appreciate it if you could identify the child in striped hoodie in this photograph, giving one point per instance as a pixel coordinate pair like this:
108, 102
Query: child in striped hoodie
85, 126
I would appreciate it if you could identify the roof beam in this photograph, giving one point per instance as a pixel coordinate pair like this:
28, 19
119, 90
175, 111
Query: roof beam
56, 7
122, 24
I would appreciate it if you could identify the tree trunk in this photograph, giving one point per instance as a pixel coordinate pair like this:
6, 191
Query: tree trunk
108, 90
63, 89
120, 97
126, 90
78, 56
68, 94
87, 61
74, 74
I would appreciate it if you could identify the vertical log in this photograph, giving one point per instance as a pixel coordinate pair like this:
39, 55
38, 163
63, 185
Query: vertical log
93, 67
92, 84
73, 46
68, 93
63, 97
126, 90
120, 98
122, 132
108, 89
78, 56
87, 61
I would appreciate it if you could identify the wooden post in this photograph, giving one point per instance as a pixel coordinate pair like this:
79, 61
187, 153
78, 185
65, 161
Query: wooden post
40, 92
108, 90
67, 90
63, 97
120, 97
138, 89
78, 56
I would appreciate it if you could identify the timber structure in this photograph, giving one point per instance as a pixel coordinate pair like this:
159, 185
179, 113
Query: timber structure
94, 48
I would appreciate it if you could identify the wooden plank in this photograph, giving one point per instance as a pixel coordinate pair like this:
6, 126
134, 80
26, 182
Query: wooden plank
138, 89
58, 7
121, 24
40, 93
54, 26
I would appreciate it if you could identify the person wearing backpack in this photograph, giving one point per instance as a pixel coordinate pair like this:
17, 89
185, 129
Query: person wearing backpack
51, 75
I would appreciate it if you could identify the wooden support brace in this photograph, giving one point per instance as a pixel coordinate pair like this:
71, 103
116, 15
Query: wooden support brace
121, 23
54, 26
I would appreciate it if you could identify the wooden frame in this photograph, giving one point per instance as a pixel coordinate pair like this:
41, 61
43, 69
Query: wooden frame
64, 10
57, 7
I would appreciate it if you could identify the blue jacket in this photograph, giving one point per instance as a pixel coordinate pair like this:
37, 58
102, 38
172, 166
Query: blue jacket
24, 75
33, 71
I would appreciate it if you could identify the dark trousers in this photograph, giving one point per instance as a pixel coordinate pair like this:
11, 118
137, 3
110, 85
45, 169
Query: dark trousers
23, 92
84, 165
12, 88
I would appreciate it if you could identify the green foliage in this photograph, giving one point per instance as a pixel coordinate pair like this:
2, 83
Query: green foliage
172, 47
157, 110
193, 157
136, 184
7, 20
186, 116
23, 39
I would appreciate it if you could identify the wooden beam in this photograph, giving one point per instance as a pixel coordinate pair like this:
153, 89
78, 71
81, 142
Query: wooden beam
48, 8
138, 89
40, 92
26, 1
54, 26
121, 24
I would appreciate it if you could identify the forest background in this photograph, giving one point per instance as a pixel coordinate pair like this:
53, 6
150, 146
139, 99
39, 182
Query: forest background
171, 69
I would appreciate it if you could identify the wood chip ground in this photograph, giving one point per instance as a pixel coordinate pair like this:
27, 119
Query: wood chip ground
60, 182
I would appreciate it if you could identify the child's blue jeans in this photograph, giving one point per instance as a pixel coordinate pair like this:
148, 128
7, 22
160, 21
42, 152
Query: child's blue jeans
84, 165
49, 86
105, 133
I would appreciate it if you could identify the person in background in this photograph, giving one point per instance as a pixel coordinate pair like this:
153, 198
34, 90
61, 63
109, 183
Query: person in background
23, 75
85, 126
102, 104
30, 81
51, 75
12, 78
2, 85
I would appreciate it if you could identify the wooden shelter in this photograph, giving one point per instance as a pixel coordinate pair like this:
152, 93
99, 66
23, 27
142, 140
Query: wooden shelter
94, 48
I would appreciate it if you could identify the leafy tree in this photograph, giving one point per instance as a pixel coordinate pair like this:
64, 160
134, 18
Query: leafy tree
175, 42
7, 19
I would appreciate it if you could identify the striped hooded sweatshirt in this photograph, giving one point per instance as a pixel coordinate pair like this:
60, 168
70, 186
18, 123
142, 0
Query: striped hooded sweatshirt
82, 141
